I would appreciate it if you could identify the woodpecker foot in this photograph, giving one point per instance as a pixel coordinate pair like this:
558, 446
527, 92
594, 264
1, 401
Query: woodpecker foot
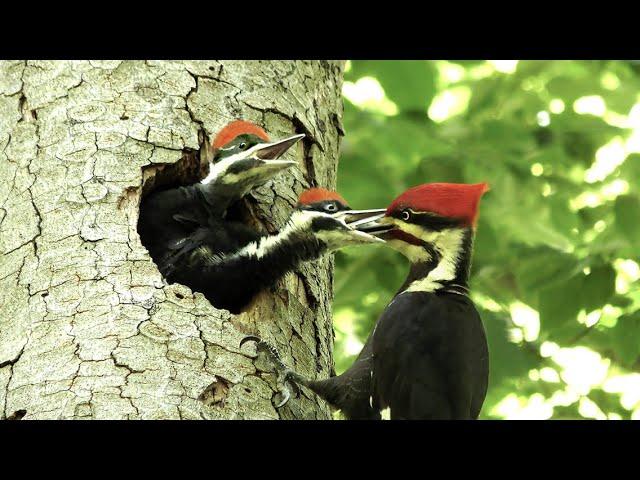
285, 376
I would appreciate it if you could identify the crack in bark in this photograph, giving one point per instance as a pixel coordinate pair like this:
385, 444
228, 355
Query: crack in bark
11, 362
38, 226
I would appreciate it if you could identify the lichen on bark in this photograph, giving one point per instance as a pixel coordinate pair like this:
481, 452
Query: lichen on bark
88, 327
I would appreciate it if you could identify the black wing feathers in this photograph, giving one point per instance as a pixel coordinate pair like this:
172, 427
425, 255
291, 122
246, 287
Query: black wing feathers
430, 357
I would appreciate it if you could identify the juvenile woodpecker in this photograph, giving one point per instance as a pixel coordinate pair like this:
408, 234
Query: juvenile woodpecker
427, 356
231, 279
243, 158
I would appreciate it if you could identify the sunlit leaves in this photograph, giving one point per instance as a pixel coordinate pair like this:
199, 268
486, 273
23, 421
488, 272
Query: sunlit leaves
547, 238
508, 361
409, 84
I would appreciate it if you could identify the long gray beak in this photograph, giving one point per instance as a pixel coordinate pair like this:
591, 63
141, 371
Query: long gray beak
374, 224
273, 150
353, 218
270, 166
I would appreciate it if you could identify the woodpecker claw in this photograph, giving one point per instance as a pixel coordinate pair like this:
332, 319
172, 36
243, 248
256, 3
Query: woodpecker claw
286, 395
286, 386
250, 338
284, 380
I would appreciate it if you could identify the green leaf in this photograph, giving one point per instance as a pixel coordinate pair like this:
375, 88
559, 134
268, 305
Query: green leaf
506, 358
544, 267
598, 287
570, 87
630, 170
409, 84
626, 337
620, 301
627, 208
559, 305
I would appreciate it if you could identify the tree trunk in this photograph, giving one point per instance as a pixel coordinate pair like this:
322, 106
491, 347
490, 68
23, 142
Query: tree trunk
88, 327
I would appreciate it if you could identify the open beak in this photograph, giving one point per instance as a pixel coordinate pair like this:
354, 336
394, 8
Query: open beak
267, 168
274, 150
354, 218
262, 161
375, 224
361, 217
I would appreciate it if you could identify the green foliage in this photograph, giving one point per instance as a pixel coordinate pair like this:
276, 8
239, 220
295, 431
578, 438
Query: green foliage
408, 83
625, 338
559, 231
627, 208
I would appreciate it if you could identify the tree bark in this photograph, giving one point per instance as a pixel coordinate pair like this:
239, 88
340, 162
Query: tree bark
88, 327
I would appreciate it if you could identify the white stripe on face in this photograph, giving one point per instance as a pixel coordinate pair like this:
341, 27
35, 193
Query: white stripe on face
217, 170
448, 243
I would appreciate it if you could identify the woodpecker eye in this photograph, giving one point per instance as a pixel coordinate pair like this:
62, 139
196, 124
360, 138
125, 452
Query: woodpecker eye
330, 207
405, 215
242, 146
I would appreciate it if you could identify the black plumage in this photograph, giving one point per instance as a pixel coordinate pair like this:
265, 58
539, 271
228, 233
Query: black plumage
229, 280
427, 356
225, 260
430, 357
351, 392
216, 261
169, 218
187, 230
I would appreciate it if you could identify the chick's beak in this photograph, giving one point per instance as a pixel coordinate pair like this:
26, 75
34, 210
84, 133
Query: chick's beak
377, 224
353, 218
262, 161
357, 217
272, 151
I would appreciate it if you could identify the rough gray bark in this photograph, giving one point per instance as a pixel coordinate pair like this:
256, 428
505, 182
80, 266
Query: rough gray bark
88, 328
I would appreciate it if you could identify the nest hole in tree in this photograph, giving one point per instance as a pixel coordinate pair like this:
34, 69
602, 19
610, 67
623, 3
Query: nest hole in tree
192, 167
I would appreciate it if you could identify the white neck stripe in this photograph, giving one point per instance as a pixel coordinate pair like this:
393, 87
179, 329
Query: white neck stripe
299, 222
448, 243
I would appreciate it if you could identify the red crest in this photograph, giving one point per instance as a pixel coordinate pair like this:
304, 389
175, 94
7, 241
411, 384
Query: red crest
453, 200
315, 195
235, 128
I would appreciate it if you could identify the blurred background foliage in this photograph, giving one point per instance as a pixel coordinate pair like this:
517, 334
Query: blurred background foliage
556, 258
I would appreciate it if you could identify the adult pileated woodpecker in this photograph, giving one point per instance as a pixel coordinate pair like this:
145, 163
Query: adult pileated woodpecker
244, 157
427, 356
230, 279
